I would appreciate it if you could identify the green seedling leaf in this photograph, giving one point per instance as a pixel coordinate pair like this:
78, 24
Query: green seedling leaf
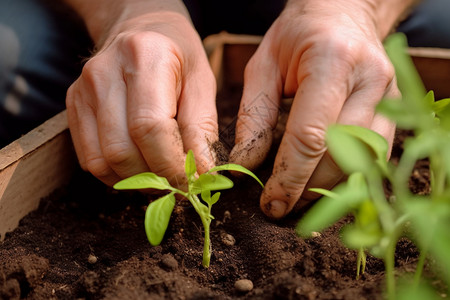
421, 292
237, 168
375, 141
429, 99
440, 248
211, 182
146, 180
431, 223
408, 79
206, 196
356, 238
398, 111
344, 198
349, 152
190, 167
443, 114
329, 194
157, 218
440, 105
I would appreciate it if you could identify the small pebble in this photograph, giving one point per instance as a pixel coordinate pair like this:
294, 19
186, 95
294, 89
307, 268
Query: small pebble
92, 259
315, 234
243, 285
228, 239
169, 262
226, 216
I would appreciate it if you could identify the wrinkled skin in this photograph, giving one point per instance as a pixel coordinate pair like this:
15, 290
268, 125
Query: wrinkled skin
144, 99
328, 57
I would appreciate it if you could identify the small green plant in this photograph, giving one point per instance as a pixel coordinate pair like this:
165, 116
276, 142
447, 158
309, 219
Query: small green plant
158, 212
379, 222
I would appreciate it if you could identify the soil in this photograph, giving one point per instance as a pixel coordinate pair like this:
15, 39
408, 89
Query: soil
87, 241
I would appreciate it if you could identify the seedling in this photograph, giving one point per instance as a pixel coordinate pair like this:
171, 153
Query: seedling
361, 153
158, 212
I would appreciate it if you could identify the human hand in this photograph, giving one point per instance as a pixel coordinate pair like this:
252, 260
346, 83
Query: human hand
146, 97
328, 56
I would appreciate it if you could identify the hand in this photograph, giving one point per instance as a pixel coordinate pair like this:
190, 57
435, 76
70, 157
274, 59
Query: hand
328, 56
145, 98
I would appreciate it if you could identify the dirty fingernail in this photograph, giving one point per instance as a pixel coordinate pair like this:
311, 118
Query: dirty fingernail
277, 209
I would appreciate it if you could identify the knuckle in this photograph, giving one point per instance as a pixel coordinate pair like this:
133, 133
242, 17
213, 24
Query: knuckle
208, 126
142, 127
308, 140
141, 46
97, 166
94, 77
117, 153
383, 68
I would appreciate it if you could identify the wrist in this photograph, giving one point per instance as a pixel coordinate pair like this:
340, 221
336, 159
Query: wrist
102, 17
381, 15
388, 14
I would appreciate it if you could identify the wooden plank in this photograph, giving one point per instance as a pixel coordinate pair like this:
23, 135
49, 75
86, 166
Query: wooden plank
228, 54
31, 168
433, 65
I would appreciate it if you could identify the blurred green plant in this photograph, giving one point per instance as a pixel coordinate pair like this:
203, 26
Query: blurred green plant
362, 154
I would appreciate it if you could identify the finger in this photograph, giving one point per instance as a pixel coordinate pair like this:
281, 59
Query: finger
119, 151
258, 111
317, 103
197, 117
359, 109
72, 119
83, 128
152, 92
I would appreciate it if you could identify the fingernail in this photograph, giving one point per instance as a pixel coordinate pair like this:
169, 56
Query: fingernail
277, 209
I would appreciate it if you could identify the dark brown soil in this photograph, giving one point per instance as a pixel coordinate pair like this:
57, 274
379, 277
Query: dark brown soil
88, 242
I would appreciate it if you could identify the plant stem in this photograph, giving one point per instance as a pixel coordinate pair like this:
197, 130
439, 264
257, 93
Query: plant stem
206, 244
437, 179
361, 263
389, 263
204, 213
419, 268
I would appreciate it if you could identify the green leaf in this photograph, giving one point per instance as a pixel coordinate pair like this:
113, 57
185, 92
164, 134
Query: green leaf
210, 182
355, 237
237, 168
324, 192
408, 79
440, 105
215, 198
349, 152
423, 291
206, 196
399, 112
443, 114
327, 210
157, 218
431, 222
429, 99
376, 142
190, 167
440, 249
146, 180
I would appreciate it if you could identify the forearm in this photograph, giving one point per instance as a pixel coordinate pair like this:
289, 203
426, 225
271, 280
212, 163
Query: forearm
381, 15
388, 13
100, 16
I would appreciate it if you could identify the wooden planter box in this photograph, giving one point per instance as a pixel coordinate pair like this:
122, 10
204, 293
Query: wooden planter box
42, 161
